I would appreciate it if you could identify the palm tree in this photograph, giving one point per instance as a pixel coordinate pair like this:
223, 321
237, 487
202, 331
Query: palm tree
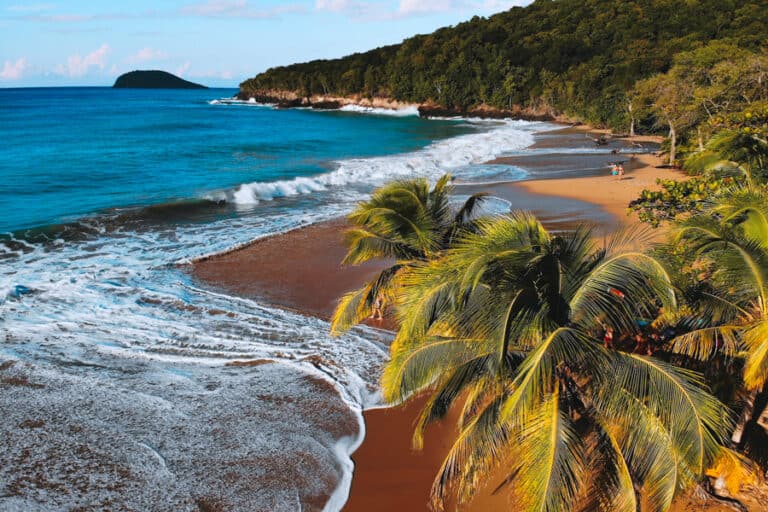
505, 322
730, 243
404, 221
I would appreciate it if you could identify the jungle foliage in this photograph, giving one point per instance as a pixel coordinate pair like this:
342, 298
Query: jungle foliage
576, 57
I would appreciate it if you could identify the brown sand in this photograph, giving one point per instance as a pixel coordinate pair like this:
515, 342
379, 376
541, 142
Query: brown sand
389, 475
611, 194
301, 270
298, 270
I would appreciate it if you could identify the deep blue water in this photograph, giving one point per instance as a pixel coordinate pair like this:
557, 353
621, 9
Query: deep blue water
73, 152
144, 181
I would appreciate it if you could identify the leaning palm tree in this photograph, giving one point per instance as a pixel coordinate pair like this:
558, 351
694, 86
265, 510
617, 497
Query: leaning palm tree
403, 221
729, 243
504, 324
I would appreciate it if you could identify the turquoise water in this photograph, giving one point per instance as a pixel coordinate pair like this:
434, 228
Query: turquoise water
72, 152
105, 197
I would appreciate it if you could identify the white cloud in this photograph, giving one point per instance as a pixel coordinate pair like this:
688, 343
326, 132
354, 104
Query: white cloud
30, 8
333, 5
239, 9
78, 66
503, 5
398, 9
146, 54
13, 70
181, 70
407, 7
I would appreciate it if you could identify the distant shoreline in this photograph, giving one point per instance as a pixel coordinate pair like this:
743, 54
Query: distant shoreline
289, 99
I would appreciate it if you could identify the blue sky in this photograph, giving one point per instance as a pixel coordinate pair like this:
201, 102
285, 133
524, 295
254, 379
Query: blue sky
214, 42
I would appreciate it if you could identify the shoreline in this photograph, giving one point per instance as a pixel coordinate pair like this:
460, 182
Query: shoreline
300, 270
284, 99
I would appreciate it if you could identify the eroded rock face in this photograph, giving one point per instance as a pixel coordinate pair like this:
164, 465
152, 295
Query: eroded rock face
483, 112
290, 99
261, 437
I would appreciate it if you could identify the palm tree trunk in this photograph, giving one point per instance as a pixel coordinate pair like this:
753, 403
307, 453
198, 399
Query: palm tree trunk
672, 142
631, 120
744, 417
763, 419
701, 141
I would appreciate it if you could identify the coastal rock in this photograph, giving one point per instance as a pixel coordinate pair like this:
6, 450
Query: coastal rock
485, 112
153, 80
290, 99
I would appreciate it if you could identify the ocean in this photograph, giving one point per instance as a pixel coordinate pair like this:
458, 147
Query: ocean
106, 195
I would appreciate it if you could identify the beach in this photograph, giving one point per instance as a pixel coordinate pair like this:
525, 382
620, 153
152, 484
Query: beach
302, 270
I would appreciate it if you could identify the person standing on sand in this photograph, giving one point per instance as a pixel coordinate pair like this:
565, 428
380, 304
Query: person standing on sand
378, 304
620, 171
615, 171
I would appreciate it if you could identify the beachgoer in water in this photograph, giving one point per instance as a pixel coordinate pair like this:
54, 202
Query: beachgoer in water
378, 304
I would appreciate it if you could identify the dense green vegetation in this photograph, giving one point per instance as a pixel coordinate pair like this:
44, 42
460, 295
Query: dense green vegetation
736, 155
577, 57
506, 322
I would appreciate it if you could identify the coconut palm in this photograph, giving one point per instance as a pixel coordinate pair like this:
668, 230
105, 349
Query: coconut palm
505, 323
403, 221
729, 243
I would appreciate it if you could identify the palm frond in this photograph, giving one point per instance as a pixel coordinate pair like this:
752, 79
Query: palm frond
611, 486
551, 457
756, 365
706, 342
357, 305
697, 422
365, 246
621, 289
414, 367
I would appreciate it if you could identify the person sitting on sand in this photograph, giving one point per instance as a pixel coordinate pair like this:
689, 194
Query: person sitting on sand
378, 304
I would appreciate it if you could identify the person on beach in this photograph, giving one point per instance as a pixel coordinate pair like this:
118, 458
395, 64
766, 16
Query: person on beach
608, 337
378, 304
642, 346
620, 171
615, 171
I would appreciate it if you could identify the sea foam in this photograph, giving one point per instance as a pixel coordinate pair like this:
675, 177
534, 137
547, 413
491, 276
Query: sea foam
450, 155
114, 337
412, 110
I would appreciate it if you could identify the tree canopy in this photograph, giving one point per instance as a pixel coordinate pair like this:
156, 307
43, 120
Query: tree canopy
577, 57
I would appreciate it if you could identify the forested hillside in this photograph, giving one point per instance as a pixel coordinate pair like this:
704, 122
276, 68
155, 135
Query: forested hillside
575, 57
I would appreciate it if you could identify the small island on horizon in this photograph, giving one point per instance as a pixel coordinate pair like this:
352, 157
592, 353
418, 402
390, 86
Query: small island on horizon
153, 79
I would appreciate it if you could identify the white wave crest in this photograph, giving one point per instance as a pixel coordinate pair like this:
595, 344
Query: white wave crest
234, 101
398, 112
449, 155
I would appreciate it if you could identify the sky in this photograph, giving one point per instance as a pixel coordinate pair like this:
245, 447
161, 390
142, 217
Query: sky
218, 43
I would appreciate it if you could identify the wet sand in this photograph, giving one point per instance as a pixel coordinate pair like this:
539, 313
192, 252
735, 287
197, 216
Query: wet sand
301, 270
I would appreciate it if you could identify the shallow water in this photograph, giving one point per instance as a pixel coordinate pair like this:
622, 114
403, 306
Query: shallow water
120, 360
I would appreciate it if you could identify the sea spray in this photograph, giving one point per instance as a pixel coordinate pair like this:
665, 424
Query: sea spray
450, 155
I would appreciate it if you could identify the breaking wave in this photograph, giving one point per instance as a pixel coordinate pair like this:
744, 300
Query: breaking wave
454, 155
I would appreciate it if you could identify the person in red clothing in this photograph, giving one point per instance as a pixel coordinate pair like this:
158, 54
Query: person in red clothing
608, 337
